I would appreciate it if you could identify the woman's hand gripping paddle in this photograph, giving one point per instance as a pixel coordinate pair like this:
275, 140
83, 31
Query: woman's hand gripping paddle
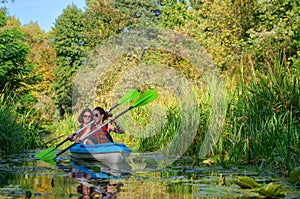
48, 153
147, 97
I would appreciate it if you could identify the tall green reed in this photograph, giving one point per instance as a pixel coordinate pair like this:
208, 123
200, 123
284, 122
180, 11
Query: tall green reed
62, 129
263, 124
19, 132
166, 133
144, 141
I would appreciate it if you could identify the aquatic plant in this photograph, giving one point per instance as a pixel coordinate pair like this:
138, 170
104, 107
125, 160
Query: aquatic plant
246, 182
294, 176
263, 124
19, 132
271, 190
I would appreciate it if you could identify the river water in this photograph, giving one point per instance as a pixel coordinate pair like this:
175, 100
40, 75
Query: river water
22, 176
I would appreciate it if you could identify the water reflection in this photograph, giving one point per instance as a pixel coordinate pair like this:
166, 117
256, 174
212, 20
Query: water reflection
96, 179
103, 189
22, 176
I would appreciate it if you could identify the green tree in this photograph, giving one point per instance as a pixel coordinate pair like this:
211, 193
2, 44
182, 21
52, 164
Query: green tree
173, 14
139, 13
275, 33
18, 120
69, 43
196, 4
16, 73
102, 21
217, 27
42, 55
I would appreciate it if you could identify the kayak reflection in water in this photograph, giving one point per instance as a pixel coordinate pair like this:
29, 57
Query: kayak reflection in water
103, 189
94, 183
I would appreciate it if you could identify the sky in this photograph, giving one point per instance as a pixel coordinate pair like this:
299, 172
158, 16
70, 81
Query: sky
44, 12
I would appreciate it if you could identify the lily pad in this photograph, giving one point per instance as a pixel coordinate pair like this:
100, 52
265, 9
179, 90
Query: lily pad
271, 190
295, 175
246, 182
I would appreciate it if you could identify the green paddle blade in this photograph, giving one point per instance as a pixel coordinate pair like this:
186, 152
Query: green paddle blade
131, 95
50, 157
45, 153
147, 97
51, 161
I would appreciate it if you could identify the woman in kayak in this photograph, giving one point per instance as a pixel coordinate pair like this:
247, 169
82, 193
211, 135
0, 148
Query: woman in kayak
102, 135
85, 120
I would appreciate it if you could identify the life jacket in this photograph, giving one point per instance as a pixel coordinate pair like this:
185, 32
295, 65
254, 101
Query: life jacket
101, 135
83, 131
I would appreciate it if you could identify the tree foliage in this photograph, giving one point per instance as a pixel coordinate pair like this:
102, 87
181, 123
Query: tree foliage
139, 13
69, 43
18, 121
173, 14
42, 55
252, 33
102, 21
216, 27
16, 73
275, 32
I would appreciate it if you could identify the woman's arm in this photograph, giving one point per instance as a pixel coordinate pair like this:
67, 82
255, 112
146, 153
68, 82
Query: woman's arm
116, 127
86, 131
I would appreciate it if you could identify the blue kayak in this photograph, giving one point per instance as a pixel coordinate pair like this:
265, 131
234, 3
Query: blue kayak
96, 169
104, 152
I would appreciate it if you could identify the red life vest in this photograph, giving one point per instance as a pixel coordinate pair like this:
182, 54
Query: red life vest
83, 131
100, 136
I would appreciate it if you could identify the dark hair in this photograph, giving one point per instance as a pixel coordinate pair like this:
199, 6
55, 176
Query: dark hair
80, 118
101, 111
80, 189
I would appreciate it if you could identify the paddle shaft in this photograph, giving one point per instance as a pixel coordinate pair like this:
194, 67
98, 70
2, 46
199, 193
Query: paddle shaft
115, 106
102, 125
78, 131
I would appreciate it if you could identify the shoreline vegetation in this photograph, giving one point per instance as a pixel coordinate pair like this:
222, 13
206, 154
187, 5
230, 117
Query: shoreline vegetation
257, 56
